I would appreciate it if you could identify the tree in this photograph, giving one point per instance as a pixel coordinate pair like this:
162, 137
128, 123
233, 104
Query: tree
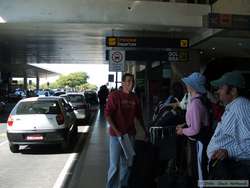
86, 86
52, 85
72, 80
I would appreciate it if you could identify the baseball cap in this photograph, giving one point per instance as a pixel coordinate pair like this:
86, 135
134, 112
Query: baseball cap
233, 78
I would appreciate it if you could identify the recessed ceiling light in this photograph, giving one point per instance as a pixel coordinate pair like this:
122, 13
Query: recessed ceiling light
213, 48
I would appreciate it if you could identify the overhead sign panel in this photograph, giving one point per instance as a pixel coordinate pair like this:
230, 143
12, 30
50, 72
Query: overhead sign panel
144, 55
146, 42
227, 21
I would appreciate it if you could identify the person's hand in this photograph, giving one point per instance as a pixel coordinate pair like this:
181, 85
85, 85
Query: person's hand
118, 133
179, 131
220, 154
174, 105
181, 125
177, 100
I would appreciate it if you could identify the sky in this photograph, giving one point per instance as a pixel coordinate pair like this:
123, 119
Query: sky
98, 73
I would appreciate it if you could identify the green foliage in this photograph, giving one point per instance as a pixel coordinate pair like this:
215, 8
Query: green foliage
77, 81
32, 86
72, 80
86, 87
52, 85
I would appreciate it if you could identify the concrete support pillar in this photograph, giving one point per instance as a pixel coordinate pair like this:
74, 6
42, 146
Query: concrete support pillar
9, 80
25, 82
37, 81
133, 68
147, 96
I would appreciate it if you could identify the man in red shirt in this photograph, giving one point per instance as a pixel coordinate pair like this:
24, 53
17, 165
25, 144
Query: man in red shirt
121, 110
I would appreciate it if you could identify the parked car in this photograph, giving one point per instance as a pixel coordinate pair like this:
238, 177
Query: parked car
16, 95
81, 107
91, 97
41, 120
58, 93
44, 93
2, 106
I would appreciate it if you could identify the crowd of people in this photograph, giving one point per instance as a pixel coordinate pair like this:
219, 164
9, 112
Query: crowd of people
216, 127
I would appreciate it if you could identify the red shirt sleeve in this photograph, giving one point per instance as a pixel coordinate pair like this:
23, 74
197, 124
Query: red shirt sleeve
110, 106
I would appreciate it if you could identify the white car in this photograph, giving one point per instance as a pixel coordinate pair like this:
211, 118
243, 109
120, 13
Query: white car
81, 107
41, 120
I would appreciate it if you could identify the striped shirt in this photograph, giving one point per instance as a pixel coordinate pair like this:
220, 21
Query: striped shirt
233, 131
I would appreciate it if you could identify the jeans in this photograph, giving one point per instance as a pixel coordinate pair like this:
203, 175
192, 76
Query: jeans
119, 171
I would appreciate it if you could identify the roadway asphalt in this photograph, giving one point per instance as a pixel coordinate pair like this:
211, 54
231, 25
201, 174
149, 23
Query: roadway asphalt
3, 120
42, 166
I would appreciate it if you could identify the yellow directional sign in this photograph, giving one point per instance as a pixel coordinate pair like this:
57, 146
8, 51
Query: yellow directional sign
184, 43
112, 41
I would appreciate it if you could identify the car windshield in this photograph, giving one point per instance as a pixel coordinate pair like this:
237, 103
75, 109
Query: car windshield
76, 98
38, 107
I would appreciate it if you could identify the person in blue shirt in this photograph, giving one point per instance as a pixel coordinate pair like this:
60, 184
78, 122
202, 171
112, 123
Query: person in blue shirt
229, 147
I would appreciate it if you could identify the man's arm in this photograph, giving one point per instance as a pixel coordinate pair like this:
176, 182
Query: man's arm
110, 108
112, 125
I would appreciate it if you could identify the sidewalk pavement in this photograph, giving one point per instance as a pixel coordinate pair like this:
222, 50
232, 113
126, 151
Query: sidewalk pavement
91, 168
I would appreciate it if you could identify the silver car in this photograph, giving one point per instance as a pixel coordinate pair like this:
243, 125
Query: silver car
41, 120
80, 106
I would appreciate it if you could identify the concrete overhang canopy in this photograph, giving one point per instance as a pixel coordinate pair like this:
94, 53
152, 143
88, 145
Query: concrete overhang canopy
21, 70
62, 31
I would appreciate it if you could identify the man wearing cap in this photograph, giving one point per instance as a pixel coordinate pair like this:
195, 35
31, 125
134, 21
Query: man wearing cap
197, 119
231, 139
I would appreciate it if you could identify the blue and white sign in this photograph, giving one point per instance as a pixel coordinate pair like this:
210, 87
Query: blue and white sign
116, 60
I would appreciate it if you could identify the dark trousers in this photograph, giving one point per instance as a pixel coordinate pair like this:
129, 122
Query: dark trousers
229, 170
187, 158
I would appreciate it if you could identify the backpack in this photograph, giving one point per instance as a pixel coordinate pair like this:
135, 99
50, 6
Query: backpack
167, 116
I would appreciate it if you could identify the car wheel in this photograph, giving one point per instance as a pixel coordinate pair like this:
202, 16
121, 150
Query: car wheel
65, 145
14, 148
74, 133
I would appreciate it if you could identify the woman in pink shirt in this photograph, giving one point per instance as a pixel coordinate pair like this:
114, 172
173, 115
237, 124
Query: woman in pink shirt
197, 120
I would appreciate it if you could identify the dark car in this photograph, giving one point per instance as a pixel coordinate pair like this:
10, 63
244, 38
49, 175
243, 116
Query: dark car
91, 97
79, 104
